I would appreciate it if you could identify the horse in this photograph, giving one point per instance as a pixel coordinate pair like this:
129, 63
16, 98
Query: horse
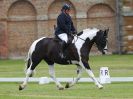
48, 49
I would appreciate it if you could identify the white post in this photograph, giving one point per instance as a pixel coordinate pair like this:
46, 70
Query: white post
104, 75
44, 80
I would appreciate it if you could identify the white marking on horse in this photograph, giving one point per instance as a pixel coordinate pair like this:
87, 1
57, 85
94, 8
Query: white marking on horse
87, 33
32, 48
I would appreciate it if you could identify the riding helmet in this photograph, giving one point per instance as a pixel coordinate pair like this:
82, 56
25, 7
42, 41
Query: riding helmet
66, 7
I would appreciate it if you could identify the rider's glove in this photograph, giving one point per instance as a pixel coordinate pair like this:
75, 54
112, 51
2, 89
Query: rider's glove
74, 32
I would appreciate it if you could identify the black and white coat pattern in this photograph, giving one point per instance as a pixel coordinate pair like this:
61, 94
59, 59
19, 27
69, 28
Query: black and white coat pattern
77, 53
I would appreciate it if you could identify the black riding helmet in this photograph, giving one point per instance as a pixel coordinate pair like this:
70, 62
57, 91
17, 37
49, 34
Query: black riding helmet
65, 7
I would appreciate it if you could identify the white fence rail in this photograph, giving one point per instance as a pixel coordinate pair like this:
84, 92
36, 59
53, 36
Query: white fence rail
112, 79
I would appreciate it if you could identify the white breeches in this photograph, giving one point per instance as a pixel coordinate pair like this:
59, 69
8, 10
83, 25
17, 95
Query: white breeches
63, 37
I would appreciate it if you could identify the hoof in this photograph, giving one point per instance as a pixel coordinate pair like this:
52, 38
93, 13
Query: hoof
67, 85
60, 87
21, 88
100, 86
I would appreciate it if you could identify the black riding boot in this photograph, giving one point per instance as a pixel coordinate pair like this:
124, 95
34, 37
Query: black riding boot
63, 48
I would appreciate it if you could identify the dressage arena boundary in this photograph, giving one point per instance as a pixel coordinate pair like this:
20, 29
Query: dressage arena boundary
112, 79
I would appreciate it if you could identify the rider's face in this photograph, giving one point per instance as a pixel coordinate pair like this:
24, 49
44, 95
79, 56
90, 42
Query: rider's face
67, 11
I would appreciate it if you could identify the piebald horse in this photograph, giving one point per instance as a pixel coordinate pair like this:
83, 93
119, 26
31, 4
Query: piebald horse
77, 53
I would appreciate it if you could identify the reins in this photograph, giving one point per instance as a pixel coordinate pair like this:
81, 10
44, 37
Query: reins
77, 38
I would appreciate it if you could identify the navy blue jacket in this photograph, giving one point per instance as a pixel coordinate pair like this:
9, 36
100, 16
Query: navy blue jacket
64, 24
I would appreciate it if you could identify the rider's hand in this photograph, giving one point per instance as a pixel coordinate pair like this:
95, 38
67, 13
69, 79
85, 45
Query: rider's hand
74, 32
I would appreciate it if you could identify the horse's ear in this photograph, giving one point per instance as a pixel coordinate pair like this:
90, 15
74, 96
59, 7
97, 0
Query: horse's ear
106, 32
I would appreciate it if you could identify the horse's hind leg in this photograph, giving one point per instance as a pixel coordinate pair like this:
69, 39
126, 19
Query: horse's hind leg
52, 75
30, 68
28, 73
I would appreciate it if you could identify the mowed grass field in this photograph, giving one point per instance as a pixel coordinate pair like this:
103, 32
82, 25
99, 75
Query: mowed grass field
119, 66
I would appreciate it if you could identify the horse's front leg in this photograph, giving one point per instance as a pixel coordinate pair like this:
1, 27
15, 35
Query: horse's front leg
79, 72
86, 66
52, 75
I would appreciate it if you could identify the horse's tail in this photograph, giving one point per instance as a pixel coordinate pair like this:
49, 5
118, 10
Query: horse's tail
28, 61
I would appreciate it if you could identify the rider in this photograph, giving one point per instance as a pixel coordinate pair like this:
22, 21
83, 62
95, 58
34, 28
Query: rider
64, 27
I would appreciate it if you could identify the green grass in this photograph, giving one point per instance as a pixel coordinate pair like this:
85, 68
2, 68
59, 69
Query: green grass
119, 66
79, 91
